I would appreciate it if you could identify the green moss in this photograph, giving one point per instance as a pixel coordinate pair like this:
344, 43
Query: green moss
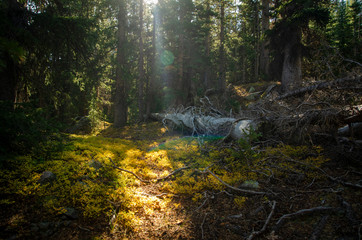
87, 181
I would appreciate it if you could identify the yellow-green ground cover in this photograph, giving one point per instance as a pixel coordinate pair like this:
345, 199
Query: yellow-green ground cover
87, 181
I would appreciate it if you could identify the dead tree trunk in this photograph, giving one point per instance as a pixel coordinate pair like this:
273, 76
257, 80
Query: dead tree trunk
198, 124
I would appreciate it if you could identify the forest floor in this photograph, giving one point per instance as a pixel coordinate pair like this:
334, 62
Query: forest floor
92, 197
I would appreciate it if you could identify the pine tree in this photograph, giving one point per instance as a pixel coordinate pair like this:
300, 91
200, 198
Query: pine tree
120, 102
286, 37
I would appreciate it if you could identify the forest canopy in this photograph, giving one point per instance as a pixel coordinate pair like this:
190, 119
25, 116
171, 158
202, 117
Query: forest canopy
122, 60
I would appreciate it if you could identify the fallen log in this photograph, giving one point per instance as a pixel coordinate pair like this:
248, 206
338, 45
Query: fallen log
199, 124
322, 85
353, 129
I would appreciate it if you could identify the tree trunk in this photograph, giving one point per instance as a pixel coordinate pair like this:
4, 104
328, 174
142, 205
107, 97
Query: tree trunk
151, 94
180, 61
8, 79
257, 42
206, 83
9, 73
141, 70
264, 56
187, 87
221, 79
120, 105
243, 57
292, 64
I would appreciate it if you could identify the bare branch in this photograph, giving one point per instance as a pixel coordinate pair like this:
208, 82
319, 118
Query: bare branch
351, 61
320, 86
254, 234
348, 211
147, 181
302, 212
173, 173
319, 228
234, 188
348, 184
202, 226
130, 172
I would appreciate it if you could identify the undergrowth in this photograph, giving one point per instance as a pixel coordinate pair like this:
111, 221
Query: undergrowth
87, 181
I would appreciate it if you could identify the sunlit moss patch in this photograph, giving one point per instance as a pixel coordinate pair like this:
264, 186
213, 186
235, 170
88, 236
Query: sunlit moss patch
87, 181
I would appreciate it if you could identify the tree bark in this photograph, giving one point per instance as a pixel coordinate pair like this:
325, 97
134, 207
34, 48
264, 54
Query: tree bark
221, 79
8, 79
257, 41
207, 49
264, 56
151, 93
141, 70
292, 64
180, 60
120, 104
9, 73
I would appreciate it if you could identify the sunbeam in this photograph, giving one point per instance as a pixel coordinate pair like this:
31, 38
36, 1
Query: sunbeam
151, 2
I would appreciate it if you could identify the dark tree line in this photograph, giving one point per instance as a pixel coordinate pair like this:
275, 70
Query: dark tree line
120, 60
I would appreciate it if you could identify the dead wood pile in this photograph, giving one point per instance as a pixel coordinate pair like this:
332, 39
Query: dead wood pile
206, 120
317, 109
297, 116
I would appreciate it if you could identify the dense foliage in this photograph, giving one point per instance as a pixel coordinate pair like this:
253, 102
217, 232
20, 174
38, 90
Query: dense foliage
63, 55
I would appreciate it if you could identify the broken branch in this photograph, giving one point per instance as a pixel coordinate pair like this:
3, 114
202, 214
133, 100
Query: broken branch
254, 234
234, 188
143, 180
302, 212
319, 228
319, 86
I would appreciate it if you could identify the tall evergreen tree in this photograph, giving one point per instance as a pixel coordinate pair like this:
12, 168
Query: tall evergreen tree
120, 102
264, 55
141, 71
286, 35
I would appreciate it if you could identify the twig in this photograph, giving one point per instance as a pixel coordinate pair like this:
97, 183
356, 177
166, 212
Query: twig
114, 204
348, 184
197, 209
202, 226
143, 180
310, 184
236, 216
206, 198
83, 228
319, 228
254, 234
173, 173
351, 61
302, 212
348, 211
226, 192
150, 195
234, 188
127, 171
